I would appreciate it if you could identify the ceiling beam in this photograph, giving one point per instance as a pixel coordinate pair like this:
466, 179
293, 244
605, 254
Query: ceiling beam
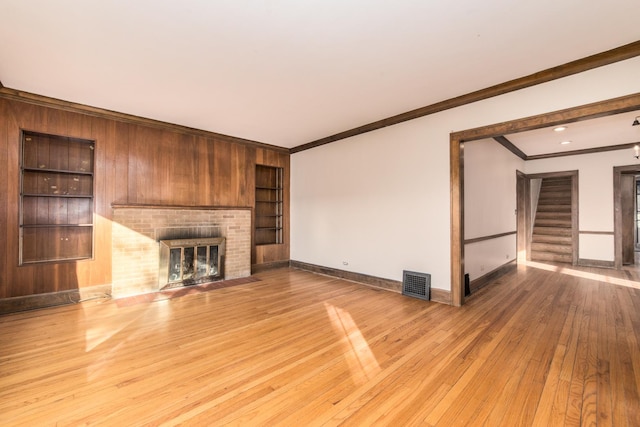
584, 151
502, 140
621, 53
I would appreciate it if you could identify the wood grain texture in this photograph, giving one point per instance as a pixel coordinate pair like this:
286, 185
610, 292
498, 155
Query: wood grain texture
136, 163
96, 112
537, 347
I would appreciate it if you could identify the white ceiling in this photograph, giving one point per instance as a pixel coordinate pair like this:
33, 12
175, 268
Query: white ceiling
595, 133
287, 72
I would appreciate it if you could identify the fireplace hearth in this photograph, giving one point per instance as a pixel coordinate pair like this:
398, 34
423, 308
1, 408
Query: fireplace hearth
192, 261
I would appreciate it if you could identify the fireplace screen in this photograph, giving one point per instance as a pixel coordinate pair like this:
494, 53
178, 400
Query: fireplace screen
190, 261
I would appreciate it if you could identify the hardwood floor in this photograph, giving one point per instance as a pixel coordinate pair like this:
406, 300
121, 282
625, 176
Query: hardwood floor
536, 347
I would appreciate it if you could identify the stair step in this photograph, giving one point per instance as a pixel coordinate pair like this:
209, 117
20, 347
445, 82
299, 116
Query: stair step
558, 231
554, 208
553, 222
553, 215
552, 238
548, 200
556, 183
551, 248
548, 256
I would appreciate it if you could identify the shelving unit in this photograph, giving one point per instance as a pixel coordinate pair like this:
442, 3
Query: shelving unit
268, 205
56, 198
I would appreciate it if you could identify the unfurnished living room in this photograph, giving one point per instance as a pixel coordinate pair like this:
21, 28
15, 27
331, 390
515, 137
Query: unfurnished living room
305, 213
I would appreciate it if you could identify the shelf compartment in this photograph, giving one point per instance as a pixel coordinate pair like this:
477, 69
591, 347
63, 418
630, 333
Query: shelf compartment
56, 184
56, 198
56, 243
59, 153
269, 206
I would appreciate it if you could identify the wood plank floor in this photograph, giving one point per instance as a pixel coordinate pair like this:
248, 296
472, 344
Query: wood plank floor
536, 348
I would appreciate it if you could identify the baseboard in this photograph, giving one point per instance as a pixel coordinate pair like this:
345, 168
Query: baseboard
440, 295
598, 263
437, 295
491, 276
257, 268
33, 302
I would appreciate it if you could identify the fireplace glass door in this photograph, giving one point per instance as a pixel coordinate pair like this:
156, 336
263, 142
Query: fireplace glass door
190, 261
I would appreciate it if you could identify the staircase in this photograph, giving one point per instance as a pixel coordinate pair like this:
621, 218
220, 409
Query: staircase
552, 237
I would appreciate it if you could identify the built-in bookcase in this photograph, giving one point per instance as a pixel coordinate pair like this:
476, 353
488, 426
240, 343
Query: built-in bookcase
269, 205
56, 198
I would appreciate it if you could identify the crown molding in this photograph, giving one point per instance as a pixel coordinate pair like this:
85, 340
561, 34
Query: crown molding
621, 53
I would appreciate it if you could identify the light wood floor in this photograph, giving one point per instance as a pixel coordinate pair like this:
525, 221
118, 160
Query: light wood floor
297, 349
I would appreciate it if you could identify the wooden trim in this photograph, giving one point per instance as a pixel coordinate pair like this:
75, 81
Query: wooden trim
585, 112
523, 216
604, 233
598, 263
492, 276
621, 53
259, 268
584, 151
437, 295
390, 285
594, 110
617, 210
493, 236
45, 101
456, 167
37, 301
502, 140
441, 295
181, 207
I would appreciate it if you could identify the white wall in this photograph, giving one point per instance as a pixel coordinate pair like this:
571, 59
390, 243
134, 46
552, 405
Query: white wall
489, 205
380, 201
595, 192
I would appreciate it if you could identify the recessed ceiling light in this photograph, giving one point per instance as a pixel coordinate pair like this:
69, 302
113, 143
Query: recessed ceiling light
565, 142
559, 128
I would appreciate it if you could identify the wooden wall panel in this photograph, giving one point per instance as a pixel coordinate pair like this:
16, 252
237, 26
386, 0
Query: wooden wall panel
135, 163
233, 180
5, 118
204, 149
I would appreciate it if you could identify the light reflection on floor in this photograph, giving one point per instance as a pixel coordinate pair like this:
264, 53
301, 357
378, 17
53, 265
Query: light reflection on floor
361, 360
102, 335
584, 274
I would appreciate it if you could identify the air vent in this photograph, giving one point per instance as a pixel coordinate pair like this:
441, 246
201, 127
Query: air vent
416, 284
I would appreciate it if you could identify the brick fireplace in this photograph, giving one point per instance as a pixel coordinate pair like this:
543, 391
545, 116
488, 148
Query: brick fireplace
137, 232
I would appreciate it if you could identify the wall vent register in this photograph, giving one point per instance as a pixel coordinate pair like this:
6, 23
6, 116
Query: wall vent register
416, 285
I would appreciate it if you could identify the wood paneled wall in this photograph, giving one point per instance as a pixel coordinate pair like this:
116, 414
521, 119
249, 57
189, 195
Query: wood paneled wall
136, 163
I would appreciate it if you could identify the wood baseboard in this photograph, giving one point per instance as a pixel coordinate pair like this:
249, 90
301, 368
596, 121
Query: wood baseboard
437, 295
491, 276
598, 263
33, 302
257, 268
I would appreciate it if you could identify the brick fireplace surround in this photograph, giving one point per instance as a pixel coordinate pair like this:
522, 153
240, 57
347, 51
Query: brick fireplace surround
136, 231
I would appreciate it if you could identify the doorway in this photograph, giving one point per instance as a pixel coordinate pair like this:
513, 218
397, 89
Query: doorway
625, 193
457, 141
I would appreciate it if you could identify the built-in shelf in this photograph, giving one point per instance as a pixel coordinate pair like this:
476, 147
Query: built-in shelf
56, 198
269, 198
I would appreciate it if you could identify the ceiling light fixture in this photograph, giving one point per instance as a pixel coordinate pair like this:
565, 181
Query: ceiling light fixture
636, 150
636, 122
560, 129
565, 142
